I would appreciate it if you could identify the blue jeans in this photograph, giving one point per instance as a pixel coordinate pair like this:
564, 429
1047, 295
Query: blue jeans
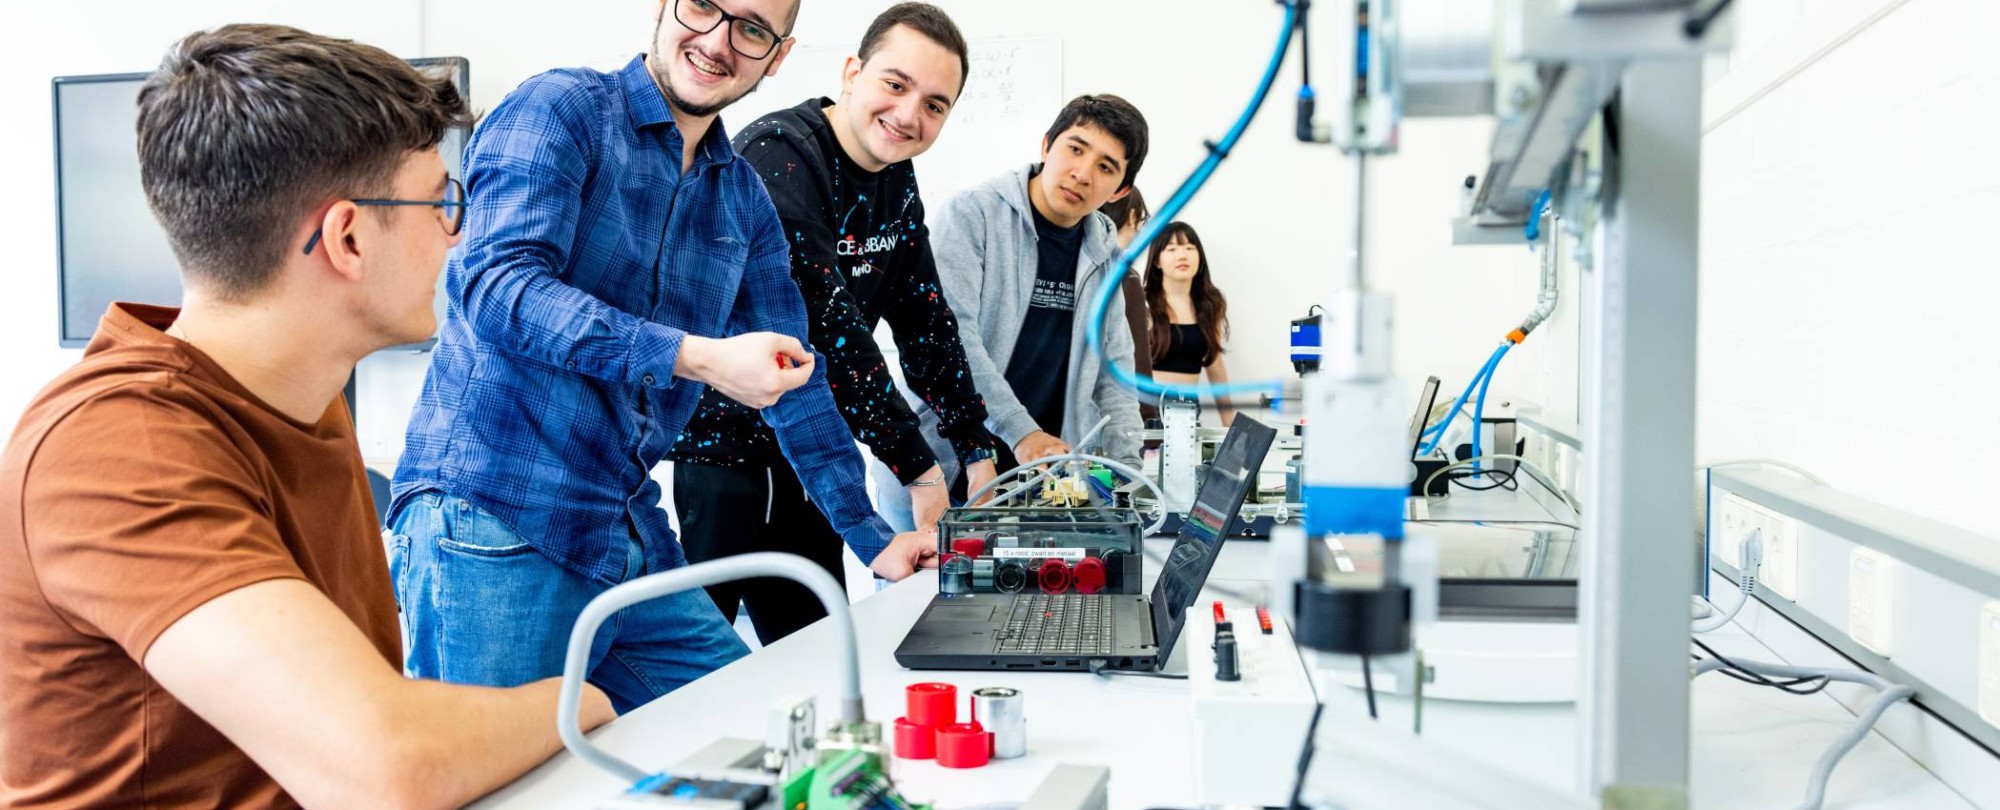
892, 501
482, 606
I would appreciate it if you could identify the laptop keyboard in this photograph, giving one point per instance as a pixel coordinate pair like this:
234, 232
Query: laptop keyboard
1071, 623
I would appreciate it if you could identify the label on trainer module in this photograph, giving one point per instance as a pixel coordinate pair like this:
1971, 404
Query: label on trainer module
1071, 554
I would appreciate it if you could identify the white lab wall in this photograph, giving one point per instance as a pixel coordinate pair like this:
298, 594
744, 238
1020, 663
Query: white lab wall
1276, 218
54, 39
1850, 188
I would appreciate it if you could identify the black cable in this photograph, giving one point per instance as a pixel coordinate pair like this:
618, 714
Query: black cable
1368, 685
1503, 479
1751, 677
1698, 24
1106, 672
1305, 758
1305, 48
1789, 685
1734, 670
1570, 526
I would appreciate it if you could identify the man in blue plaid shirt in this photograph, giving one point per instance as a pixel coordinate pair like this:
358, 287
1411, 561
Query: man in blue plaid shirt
618, 257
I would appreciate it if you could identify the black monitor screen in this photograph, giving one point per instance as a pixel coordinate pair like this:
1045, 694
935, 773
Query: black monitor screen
108, 245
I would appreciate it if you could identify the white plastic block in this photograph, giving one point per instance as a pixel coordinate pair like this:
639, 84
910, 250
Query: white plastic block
1247, 732
1871, 600
1989, 663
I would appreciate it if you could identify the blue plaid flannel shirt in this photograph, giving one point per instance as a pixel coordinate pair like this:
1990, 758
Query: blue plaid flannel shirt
588, 255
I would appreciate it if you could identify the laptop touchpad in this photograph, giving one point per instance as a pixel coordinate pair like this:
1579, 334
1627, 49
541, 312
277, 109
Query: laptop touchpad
960, 613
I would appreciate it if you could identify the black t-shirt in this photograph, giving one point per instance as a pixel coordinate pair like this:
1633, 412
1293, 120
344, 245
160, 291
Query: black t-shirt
860, 254
1039, 369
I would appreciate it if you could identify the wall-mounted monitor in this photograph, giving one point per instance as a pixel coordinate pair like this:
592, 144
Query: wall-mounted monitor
108, 245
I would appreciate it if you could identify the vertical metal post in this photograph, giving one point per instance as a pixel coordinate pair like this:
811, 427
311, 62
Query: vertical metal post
1356, 275
1639, 440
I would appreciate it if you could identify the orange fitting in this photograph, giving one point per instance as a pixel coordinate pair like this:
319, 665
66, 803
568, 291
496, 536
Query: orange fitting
1515, 337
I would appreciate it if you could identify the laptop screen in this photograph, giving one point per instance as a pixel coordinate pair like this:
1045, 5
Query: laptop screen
1418, 421
1230, 478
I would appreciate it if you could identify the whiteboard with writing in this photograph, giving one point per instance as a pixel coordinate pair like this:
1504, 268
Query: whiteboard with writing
1013, 95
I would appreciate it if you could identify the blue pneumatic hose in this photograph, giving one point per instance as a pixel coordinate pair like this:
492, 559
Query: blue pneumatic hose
1486, 370
1145, 386
1479, 406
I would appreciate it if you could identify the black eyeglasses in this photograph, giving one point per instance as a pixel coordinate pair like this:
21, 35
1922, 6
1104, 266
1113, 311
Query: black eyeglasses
746, 36
451, 209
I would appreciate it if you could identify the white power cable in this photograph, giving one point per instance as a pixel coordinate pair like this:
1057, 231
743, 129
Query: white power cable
1889, 694
1749, 559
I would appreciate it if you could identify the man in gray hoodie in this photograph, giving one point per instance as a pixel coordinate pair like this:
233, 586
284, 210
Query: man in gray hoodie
1018, 256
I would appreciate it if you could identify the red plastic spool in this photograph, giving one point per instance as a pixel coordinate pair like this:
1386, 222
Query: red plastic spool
931, 704
1054, 576
914, 741
1089, 575
963, 745
969, 546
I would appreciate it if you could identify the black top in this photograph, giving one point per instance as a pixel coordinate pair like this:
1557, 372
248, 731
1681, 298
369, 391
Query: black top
860, 253
1185, 352
1038, 371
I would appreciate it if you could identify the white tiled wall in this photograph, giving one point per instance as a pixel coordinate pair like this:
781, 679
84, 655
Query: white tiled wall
1850, 209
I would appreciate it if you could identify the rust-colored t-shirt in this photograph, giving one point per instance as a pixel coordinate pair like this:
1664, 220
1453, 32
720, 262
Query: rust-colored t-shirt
139, 485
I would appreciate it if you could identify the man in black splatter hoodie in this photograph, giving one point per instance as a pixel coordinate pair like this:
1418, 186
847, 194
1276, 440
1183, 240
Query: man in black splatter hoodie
841, 177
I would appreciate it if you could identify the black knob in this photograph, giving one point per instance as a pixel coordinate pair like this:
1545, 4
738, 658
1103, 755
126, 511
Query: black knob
1226, 668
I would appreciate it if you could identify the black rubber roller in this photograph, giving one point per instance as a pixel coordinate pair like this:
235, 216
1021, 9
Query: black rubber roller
1352, 621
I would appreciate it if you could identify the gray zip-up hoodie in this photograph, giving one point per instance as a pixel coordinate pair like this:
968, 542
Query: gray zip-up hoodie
985, 243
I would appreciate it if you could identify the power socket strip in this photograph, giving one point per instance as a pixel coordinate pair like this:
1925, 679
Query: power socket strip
1736, 518
1247, 732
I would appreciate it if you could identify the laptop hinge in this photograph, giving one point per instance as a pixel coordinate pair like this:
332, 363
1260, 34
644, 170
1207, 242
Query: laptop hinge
1148, 635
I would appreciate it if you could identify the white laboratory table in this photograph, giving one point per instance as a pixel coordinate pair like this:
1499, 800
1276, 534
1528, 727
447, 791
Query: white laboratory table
1752, 747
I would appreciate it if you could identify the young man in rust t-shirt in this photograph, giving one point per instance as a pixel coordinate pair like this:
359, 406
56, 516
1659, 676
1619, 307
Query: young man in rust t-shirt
195, 608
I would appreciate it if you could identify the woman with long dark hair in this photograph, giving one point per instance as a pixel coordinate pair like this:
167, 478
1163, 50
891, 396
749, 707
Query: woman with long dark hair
1190, 318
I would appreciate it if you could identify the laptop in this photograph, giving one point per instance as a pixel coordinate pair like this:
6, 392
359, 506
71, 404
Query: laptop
1073, 631
1426, 399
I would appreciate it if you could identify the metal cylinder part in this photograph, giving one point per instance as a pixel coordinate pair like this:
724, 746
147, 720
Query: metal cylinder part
982, 575
955, 575
1010, 577
1002, 712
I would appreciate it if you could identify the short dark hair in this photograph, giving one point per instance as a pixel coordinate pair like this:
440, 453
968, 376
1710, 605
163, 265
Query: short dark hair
246, 128
1113, 115
1124, 208
924, 19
